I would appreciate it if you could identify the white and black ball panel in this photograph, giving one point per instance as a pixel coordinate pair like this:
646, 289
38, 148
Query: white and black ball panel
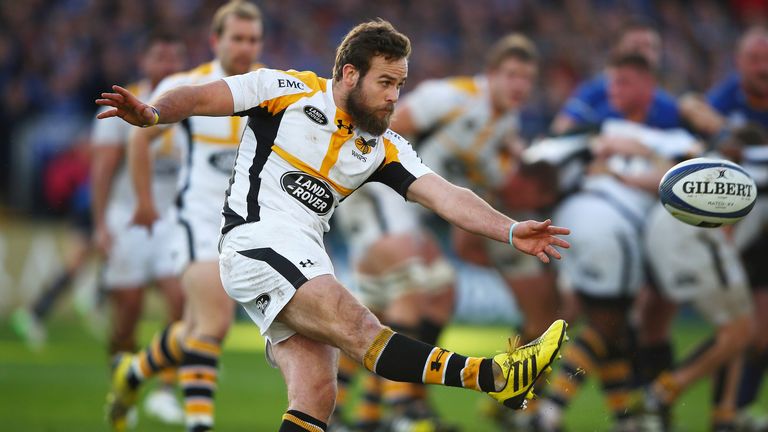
707, 192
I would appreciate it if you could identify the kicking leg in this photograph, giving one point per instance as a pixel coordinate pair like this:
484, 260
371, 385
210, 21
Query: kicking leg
325, 311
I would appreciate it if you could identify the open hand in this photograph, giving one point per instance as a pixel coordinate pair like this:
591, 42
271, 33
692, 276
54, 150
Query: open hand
539, 239
127, 107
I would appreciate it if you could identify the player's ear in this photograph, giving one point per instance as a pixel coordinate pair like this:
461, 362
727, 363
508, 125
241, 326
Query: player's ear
350, 75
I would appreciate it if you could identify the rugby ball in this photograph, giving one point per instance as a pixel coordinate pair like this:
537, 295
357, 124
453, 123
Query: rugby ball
707, 192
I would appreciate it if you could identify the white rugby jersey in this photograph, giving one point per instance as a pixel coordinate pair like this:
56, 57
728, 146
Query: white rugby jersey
165, 149
466, 143
301, 155
209, 154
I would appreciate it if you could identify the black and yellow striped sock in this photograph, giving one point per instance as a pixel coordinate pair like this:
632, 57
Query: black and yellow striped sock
368, 411
297, 421
615, 372
400, 358
198, 375
401, 396
162, 353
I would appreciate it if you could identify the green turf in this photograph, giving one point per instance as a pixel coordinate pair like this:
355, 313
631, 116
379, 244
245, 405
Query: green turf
62, 388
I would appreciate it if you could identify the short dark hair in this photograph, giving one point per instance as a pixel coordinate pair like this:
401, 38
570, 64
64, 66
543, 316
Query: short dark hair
546, 175
514, 45
239, 8
367, 40
633, 60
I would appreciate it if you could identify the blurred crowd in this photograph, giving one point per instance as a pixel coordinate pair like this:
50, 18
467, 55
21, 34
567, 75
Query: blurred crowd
57, 55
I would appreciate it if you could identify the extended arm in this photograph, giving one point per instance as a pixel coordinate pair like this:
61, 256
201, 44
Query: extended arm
140, 168
212, 99
463, 208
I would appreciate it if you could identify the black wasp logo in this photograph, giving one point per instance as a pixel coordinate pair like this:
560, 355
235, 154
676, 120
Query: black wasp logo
721, 173
364, 146
348, 127
307, 263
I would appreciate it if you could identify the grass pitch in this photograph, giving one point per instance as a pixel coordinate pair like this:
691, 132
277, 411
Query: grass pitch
62, 387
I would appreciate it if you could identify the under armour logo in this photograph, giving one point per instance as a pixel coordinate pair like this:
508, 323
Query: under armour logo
307, 263
436, 365
340, 124
721, 173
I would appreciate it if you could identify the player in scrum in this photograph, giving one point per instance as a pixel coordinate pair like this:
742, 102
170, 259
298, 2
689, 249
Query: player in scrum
654, 349
295, 163
194, 343
466, 130
135, 256
640, 135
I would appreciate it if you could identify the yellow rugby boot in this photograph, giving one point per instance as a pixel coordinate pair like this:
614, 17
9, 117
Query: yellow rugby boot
121, 398
523, 365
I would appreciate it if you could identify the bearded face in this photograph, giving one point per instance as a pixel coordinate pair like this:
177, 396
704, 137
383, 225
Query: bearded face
371, 98
366, 115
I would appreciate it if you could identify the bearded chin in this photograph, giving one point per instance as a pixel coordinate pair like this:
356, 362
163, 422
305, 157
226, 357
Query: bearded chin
364, 117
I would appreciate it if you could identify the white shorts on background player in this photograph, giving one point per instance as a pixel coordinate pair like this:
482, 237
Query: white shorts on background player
606, 255
139, 256
299, 157
698, 266
198, 234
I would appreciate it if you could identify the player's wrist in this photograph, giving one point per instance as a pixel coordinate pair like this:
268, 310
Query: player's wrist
512, 231
155, 117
